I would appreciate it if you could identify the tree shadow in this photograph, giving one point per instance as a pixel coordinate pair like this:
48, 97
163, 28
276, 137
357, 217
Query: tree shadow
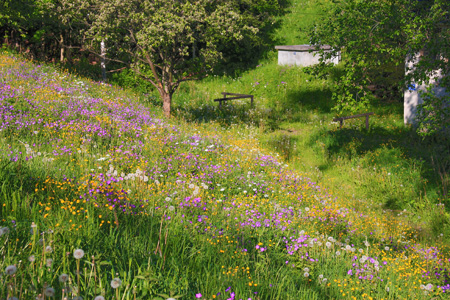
431, 156
312, 99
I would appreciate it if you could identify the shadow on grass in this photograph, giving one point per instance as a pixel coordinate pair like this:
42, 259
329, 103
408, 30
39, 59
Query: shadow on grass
296, 106
310, 99
391, 149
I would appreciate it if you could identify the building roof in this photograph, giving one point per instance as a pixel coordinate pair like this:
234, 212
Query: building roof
299, 48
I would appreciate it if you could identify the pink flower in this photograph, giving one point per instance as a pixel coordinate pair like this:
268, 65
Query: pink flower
198, 295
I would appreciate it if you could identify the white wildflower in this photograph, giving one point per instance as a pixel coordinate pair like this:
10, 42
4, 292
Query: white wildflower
78, 253
49, 292
10, 270
63, 277
49, 262
4, 230
115, 283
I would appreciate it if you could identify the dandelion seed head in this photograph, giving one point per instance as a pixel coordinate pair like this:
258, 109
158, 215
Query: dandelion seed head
115, 283
63, 277
78, 253
11, 270
49, 292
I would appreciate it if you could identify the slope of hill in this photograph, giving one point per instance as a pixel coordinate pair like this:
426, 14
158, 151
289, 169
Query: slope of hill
100, 196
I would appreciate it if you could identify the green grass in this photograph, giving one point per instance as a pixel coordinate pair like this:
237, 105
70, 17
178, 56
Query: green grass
377, 191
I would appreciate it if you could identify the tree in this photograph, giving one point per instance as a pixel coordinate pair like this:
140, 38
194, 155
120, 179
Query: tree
167, 42
376, 37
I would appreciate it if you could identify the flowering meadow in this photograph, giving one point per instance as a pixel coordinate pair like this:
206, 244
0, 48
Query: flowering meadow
102, 198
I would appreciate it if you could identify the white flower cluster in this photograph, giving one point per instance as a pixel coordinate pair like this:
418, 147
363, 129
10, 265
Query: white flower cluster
196, 189
131, 176
427, 288
31, 152
322, 280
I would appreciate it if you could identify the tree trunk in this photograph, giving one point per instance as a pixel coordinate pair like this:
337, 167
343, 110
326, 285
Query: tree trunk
61, 43
167, 102
103, 59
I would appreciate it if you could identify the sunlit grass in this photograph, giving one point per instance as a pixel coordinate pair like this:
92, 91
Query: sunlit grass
166, 209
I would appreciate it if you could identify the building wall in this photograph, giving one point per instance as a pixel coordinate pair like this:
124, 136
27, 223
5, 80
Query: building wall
412, 96
300, 58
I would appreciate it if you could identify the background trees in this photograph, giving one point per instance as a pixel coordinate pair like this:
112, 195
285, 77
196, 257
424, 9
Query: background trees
163, 42
168, 42
376, 37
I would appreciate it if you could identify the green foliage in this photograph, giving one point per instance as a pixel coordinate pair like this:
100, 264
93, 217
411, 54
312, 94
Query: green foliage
434, 115
375, 38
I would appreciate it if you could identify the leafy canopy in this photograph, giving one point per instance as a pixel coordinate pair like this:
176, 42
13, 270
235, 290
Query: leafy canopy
375, 38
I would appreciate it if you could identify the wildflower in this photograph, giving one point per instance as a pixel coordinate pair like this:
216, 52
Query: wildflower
366, 243
320, 276
48, 249
115, 283
103, 298
306, 208
168, 199
328, 244
49, 262
10, 270
198, 296
49, 292
78, 253
350, 272
338, 253
306, 274
386, 248
63, 277
171, 208
31, 258
4, 230
306, 269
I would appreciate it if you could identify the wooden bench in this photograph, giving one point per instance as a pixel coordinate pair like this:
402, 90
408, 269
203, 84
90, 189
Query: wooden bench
341, 119
236, 96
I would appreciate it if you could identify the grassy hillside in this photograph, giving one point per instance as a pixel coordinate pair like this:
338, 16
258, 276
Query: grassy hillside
100, 196
293, 114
